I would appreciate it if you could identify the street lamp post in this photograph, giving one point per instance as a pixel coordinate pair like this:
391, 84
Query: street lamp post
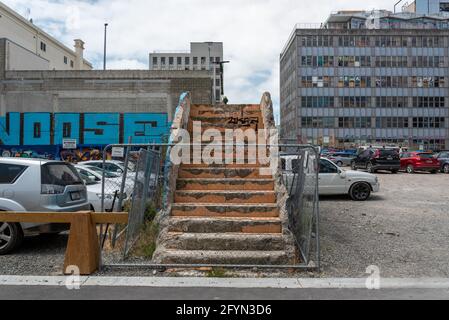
104, 54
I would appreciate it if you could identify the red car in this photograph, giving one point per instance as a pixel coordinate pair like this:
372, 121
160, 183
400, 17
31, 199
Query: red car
419, 161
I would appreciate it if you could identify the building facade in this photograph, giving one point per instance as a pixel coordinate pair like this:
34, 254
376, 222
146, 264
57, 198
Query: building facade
27, 47
202, 56
41, 109
358, 80
427, 6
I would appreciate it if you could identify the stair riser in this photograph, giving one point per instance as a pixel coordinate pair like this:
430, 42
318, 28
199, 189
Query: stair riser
251, 243
222, 173
222, 127
230, 185
194, 258
181, 197
223, 211
196, 109
196, 225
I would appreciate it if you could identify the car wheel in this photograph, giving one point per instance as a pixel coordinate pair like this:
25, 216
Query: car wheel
446, 168
360, 191
353, 166
11, 237
410, 169
339, 163
370, 168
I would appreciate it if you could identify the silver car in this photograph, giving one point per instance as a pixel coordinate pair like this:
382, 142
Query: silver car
39, 186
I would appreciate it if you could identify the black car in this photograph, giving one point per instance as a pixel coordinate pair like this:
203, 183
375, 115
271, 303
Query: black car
377, 159
443, 158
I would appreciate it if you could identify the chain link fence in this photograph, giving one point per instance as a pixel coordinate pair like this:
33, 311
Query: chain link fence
130, 182
300, 169
138, 191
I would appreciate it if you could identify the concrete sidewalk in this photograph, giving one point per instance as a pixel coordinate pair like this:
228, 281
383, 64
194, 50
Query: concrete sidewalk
130, 288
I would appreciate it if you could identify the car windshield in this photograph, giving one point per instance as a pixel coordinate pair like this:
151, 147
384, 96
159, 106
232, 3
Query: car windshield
59, 174
425, 155
107, 174
388, 152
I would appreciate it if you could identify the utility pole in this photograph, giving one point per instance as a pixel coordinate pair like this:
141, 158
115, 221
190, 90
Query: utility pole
104, 54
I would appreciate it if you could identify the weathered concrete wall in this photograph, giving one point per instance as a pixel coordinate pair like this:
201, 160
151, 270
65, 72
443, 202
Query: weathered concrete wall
2, 58
102, 91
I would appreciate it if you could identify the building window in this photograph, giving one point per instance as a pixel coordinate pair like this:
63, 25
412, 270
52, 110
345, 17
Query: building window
43, 47
37, 130
65, 60
163, 61
171, 61
217, 82
187, 61
154, 61
195, 60
203, 60
179, 61
66, 130
71, 63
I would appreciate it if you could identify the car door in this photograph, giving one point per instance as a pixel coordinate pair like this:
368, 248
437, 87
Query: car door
362, 159
330, 181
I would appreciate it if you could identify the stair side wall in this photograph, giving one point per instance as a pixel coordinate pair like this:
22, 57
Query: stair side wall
171, 170
266, 108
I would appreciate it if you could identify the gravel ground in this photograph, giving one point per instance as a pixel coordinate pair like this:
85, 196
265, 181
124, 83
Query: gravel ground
403, 229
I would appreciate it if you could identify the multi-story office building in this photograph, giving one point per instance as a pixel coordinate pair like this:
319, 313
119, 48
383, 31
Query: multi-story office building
368, 78
28, 47
202, 56
427, 6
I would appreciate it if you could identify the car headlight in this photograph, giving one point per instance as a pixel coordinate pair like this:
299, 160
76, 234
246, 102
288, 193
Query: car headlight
106, 196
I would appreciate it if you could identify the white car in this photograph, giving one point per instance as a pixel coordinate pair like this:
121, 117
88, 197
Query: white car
334, 180
113, 166
94, 190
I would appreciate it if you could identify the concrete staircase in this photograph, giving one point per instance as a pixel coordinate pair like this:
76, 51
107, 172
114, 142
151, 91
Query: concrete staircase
225, 213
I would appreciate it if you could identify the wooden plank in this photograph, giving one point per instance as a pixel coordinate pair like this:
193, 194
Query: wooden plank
83, 250
112, 218
62, 217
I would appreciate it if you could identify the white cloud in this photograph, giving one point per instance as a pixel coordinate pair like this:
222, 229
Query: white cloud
253, 31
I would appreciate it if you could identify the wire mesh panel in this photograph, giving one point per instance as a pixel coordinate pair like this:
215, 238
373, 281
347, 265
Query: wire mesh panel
300, 173
146, 177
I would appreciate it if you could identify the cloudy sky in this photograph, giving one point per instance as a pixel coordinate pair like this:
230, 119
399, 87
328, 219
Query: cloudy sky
253, 31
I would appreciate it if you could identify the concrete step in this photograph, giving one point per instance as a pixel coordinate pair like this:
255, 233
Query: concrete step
223, 241
202, 109
223, 257
222, 225
224, 123
246, 164
260, 210
222, 128
225, 184
209, 172
225, 114
215, 196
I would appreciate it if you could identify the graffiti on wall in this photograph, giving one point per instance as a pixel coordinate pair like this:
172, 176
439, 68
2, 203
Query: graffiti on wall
35, 128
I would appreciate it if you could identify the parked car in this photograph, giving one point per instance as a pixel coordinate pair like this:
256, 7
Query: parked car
443, 159
93, 181
334, 180
341, 158
37, 185
419, 161
375, 159
113, 166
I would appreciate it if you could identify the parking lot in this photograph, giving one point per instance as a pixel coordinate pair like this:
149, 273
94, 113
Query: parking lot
403, 230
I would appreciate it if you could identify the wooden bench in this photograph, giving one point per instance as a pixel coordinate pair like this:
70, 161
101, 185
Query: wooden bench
83, 247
